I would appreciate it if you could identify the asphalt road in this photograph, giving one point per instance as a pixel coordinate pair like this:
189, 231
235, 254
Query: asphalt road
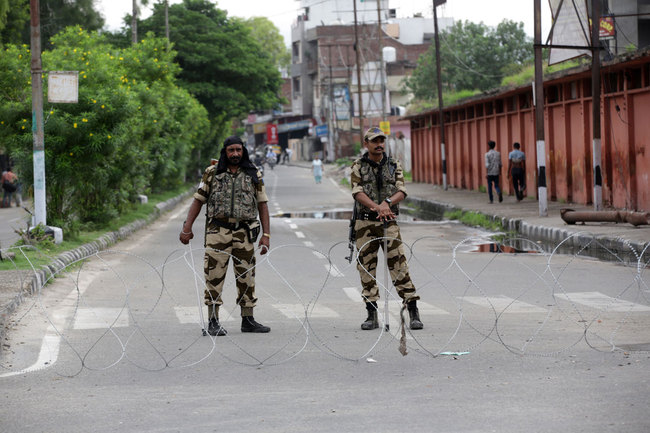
512, 342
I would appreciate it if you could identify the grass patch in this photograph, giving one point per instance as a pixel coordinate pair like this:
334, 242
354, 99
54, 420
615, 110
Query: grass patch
474, 219
408, 176
345, 182
46, 251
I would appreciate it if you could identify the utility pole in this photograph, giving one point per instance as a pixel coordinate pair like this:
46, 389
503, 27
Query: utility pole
356, 50
441, 122
538, 96
331, 135
595, 96
381, 64
167, 23
134, 23
40, 209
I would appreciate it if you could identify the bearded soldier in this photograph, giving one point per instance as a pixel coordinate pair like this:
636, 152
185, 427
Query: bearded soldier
377, 187
235, 195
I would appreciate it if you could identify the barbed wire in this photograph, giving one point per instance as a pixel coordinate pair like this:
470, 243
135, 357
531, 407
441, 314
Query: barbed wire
114, 306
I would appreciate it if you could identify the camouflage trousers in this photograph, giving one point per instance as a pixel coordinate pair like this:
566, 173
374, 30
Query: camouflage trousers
220, 244
369, 240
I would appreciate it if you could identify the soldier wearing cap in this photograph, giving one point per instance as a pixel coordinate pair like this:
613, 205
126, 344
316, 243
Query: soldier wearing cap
234, 192
377, 187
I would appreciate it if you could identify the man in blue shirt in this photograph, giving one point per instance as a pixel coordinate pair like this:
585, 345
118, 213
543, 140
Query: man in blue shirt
517, 170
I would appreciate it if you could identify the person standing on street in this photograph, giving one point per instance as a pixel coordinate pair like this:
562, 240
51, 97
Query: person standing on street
234, 192
517, 170
9, 186
493, 166
317, 167
378, 187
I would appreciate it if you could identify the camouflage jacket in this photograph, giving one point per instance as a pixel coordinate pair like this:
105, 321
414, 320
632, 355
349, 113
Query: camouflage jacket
230, 195
377, 181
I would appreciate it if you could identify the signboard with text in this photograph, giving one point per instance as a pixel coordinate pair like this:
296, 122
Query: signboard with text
63, 87
271, 134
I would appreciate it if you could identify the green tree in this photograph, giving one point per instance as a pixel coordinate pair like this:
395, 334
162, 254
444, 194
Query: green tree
473, 57
222, 63
132, 131
55, 16
269, 37
16, 19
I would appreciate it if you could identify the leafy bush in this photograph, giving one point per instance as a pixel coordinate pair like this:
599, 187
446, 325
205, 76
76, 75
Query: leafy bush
132, 131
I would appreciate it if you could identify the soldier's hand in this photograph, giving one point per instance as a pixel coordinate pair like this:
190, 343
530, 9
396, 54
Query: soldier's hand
185, 237
264, 244
384, 212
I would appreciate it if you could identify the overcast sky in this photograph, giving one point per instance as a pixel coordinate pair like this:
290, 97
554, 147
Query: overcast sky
284, 12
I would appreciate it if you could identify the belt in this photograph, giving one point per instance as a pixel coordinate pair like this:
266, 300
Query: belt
370, 216
232, 226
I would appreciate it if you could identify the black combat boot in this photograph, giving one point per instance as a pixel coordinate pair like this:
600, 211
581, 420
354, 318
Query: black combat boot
214, 327
248, 324
371, 322
414, 315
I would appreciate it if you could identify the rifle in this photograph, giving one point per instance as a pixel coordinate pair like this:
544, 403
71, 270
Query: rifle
352, 234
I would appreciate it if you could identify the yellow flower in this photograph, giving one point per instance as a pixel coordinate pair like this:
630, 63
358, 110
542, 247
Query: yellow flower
102, 106
121, 58
74, 126
109, 137
52, 112
84, 120
2, 122
24, 120
23, 127
155, 121
84, 76
91, 134
71, 153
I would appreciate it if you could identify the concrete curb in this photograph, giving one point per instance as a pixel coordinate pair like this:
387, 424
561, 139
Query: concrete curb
40, 276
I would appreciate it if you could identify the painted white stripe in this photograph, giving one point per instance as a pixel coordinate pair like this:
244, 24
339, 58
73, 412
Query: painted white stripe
394, 306
101, 318
353, 293
503, 304
293, 226
187, 315
308, 244
333, 270
603, 302
47, 356
319, 254
288, 221
297, 311
300, 235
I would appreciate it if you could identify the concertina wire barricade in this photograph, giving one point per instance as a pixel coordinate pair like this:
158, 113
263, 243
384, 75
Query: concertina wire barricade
114, 306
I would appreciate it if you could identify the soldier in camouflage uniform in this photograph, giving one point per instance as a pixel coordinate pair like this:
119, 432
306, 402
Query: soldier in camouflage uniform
235, 195
377, 187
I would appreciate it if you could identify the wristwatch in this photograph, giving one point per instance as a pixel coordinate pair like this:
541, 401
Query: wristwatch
388, 200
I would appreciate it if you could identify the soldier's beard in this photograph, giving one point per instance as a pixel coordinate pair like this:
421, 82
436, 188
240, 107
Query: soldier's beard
234, 160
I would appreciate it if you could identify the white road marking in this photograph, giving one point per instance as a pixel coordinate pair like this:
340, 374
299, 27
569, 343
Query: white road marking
47, 356
293, 226
101, 318
319, 254
297, 311
191, 315
333, 270
503, 304
603, 302
300, 235
394, 305
308, 244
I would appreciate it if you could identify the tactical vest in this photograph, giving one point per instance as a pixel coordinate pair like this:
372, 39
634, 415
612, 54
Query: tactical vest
369, 183
232, 196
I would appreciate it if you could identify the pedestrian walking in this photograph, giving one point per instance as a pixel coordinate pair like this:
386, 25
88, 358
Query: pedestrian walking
517, 170
317, 167
493, 166
9, 187
236, 200
378, 187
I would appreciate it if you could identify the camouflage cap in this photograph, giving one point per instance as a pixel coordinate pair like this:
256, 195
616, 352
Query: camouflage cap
373, 133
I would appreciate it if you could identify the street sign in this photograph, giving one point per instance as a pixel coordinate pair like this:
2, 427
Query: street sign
63, 87
321, 130
385, 126
271, 134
